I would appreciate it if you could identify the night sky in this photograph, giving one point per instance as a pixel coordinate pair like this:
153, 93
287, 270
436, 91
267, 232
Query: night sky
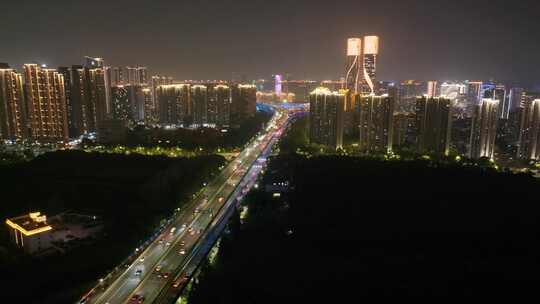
451, 39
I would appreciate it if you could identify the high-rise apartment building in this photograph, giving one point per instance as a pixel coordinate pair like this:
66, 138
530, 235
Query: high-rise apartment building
376, 114
243, 102
137, 75
199, 100
96, 97
432, 89
222, 96
86, 98
484, 129
326, 117
499, 93
371, 50
174, 104
353, 75
121, 107
529, 131
155, 82
515, 98
474, 96
116, 76
404, 124
433, 125
13, 120
136, 102
46, 100
150, 113
74, 84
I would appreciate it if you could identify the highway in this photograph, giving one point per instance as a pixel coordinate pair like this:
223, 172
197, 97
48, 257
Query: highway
159, 271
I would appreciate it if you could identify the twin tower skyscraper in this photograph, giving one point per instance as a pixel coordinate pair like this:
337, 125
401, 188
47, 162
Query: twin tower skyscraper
361, 64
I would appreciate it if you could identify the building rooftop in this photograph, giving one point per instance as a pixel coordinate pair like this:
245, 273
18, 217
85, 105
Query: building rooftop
29, 224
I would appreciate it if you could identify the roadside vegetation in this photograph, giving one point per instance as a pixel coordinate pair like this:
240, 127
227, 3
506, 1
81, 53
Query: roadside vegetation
355, 227
133, 194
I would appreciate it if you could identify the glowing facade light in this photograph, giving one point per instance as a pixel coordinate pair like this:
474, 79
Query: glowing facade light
278, 80
371, 45
354, 47
354, 64
484, 129
369, 64
34, 223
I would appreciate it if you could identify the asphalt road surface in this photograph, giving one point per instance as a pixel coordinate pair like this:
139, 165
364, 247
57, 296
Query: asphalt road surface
158, 269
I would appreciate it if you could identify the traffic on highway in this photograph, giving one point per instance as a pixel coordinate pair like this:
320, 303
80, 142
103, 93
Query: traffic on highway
159, 270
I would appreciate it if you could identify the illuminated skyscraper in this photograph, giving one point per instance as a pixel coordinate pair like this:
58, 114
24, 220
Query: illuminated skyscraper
432, 89
136, 102
433, 124
74, 84
149, 106
199, 99
499, 93
484, 129
515, 98
121, 107
326, 117
13, 121
96, 99
116, 76
86, 98
155, 82
137, 75
376, 114
529, 131
243, 102
278, 79
46, 100
143, 76
219, 108
353, 74
174, 104
474, 96
371, 50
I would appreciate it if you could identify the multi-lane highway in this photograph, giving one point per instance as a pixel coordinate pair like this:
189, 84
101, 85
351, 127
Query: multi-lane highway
162, 267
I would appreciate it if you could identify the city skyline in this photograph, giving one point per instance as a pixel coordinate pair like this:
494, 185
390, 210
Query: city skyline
419, 40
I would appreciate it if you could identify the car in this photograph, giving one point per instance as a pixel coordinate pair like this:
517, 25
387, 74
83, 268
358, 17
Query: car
197, 210
182, 243
160, 241
182, 252
220, 200
138, 272
158, 268
166, 275
184, 226
168, 244
141, 259
180, 281
190, 229
199, 231
137, 299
